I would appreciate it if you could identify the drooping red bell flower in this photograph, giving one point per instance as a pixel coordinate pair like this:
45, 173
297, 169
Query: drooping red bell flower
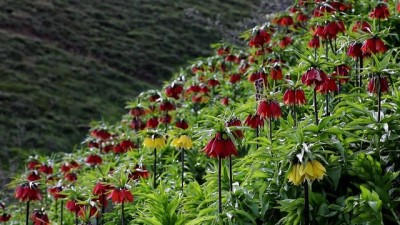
314, 42
94, 160
5, 217
165, 119
137, 124
33, 164
181, 123
107, 148
260, 38
46, 169
294, 97
174, 90
276, 73
220, 146
328, 86
223, 51
73, 206
140, 171
193, 89
101, 134
234, 78
154, 97
381, 11
377, 83
93, 144
301, 17
340, 6
166, 106
342, 71
71, 177
235, 122
137, 111
284, 21
28, 191
354, 50
231, 58
331, 29
65, 168
257, 75
152, 123
373, 45
55, 191
254, 121
225, 101
398, 7
39, 217
33, 175
285, 41
362, 26
101, 188
222, 67
120, 195
204, 89
269, 109
314, 76
213, 82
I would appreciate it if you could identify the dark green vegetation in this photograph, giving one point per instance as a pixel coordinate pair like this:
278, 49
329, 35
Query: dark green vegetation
66, 62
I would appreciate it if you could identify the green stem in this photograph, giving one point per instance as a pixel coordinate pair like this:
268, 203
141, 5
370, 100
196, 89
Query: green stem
230, 173
219, 185
122, 214
315, 106
306, 204
62, 212
327, 104
270, 129
155, 169
27, 213
183, 166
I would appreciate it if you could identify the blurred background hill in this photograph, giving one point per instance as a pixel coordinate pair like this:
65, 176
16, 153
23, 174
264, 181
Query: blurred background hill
64, 63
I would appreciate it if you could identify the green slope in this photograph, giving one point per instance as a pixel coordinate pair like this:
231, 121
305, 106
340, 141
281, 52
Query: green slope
66, 62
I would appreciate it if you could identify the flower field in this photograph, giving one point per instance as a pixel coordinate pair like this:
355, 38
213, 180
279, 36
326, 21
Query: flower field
300, 126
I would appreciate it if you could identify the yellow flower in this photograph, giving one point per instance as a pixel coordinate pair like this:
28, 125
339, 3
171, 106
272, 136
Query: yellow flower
156, 142
294, 175
313, 170
182, 142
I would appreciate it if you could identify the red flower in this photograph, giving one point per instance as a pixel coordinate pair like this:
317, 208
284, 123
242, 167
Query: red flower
314, 42
33, 164
28, 192
55, 192
328, 86
39, 217
72, 206
234, 78
46, 169
221, 146
231, 58
5, 217
260, 38
33, 176
100, 134
119, 195
314, 76
225, 101
223, 51
257, 75
355, 50
182, 124
71, 177
254, 121
165, 119
294, 97
362, 25
235, 122
381, 11
284, 21
343, 71
154, 97
152, 123
373, 45
101, 188
269, 109
139, 172
204, 89
137, 111
276, 73
84, 210
377, 83
137, 124
285, 42
174, 90
94, 160
93, 144
398, 7
301, 17
213, 82
166, 106
193, 89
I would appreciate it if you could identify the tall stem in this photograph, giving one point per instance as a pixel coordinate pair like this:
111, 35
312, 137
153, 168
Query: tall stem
230, 173
62, 212
315, 106
379, 99
270, 129
257, 134
306, 204
76, 218
122, 214
327, 104
155, 168
219, 185
27, 213
103, 209
361, 69
183, 166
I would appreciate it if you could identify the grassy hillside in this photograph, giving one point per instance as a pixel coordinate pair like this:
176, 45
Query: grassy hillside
66, 62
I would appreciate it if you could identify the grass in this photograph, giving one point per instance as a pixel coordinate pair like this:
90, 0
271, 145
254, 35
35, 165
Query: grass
64, 63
